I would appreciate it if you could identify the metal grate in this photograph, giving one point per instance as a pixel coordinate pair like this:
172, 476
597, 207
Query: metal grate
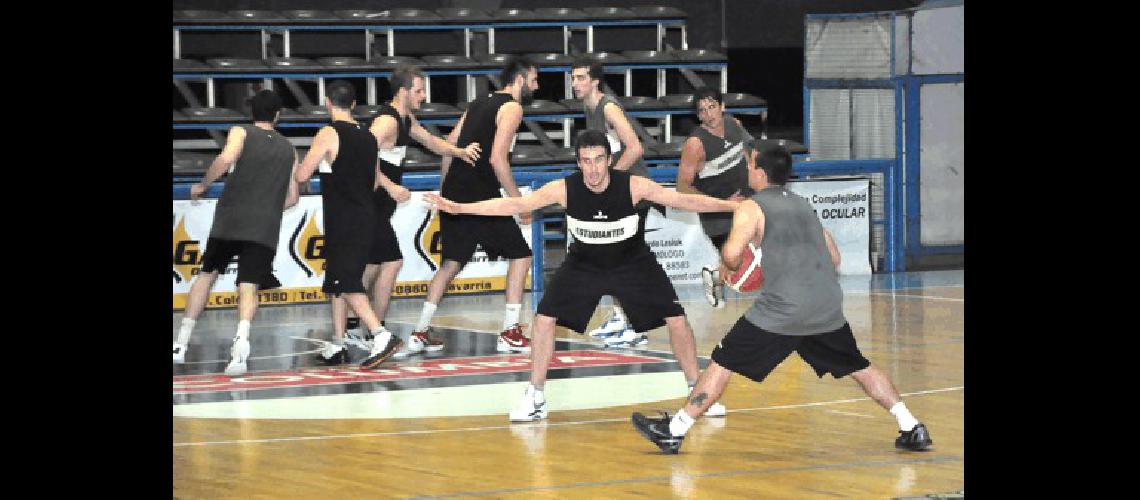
848, 48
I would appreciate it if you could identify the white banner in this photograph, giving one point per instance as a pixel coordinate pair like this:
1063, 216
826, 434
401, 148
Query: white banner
299, 263
843, 207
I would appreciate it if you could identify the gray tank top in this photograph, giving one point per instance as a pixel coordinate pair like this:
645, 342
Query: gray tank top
254, 196
596, 120
724, 171
801, 293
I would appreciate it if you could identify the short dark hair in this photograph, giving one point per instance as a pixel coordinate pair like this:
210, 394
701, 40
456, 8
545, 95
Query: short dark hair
515, 66
591, 138
264, 105
593, 67
706, 93
341, 93
776, 161
404, 77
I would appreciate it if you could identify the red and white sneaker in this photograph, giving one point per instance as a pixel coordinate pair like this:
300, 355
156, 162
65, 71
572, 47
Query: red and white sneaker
430, 344
513, 340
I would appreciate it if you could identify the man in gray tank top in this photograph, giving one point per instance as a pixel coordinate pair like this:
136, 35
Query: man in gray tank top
712, 163
247, 220
605, 114
800, 308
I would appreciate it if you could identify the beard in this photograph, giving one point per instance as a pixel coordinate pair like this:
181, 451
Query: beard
526, 97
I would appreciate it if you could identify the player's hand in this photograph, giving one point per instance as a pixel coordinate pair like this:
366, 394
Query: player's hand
437, 202
470, 154
400, 193
526, 218
196, 191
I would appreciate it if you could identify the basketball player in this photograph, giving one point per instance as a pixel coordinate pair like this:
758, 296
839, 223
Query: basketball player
247, 220
349, 151
394, 128
608, 257
712, 163
492, 119
603, 113
799, 309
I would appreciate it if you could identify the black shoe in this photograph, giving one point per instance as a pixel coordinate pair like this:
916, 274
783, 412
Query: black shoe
333, 354
379, 356
916, 439
657, 431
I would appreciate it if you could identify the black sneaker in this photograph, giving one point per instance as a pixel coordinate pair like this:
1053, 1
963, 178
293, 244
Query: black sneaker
657, 431
916, 439
381, 354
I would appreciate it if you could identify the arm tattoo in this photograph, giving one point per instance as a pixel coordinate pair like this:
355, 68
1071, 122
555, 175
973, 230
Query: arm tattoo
698, 399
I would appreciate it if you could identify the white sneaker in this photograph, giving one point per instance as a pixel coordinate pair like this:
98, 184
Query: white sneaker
527, 410
414, 345
716, 410
713, 287
354, 338
179, 353
239, 353
332, 352
612, 326
627, 338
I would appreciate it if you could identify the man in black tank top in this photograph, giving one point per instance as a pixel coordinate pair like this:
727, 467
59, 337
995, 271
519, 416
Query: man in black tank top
491, 121
247, 221
347, 191
394, 128
712, 163
608, 257
605, 114
795, 254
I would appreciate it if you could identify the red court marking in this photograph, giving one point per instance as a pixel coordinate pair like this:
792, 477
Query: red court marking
400, 371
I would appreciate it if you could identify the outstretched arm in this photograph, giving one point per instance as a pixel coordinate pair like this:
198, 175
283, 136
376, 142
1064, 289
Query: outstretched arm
440, 146
641, 188
549, 194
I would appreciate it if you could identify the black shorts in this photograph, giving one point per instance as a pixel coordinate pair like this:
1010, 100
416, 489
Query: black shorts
255, 261
345, 260
718, 241
500, 236
753, 352
385, 246
640, 286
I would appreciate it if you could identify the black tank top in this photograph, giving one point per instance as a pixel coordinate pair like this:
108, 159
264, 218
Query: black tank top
392, 160
604, 226
347, 191
466, 183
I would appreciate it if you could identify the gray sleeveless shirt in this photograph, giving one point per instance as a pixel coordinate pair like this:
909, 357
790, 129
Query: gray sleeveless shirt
801, 293
596, 120
254, 196
724, 171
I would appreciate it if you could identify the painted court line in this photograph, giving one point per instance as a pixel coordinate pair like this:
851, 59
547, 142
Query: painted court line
547, 424
924, 297
671, 478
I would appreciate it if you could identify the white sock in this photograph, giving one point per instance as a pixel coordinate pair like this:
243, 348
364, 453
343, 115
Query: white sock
425, 316
512, 315
184, 331
539, 397
338, 341
380, 338
906, 420
243, 329
680, 423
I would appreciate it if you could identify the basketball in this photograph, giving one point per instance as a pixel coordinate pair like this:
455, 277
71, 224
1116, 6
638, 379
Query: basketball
748, 277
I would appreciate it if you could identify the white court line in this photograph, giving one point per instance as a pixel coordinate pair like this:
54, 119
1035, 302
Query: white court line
545, 424
286, 355
928, 297
853, 414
